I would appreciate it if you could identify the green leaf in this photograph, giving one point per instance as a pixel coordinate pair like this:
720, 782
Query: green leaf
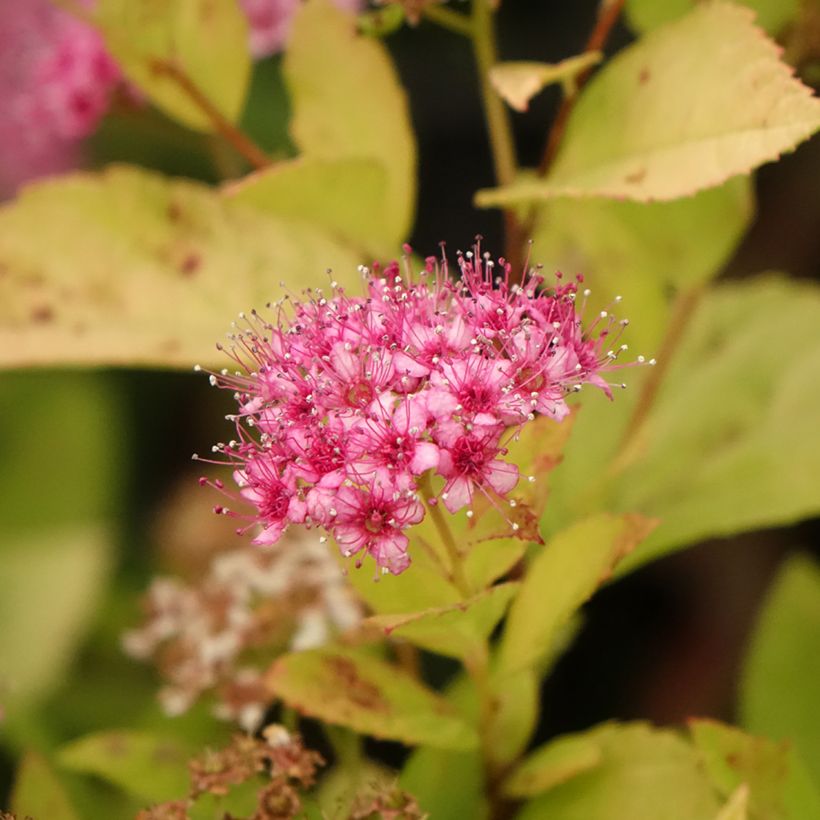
38, 792
552, 764
772, 15
728, 444
643, 251
345, 197
737, 806
778, 693
51, 585
688, 106
149, 766
369, 696
560, 579
779, 785
518, 82
348, 104
516, 700
204, 40
731, 444
644, 774
458, 631
418, 588
448, 785
129, 268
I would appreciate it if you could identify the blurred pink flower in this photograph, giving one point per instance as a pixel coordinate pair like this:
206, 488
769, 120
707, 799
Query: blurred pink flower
270, 22
56, 80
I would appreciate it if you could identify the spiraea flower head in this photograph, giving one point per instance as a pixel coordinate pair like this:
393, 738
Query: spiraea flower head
351, 409
57, 79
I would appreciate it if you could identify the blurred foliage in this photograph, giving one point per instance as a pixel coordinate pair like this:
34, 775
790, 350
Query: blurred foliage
648, 197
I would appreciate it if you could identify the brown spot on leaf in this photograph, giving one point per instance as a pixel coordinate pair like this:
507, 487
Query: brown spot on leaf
636, 176
174, 212
116, 745
361, 692
42, 314
169, 346
643, 76
190, 264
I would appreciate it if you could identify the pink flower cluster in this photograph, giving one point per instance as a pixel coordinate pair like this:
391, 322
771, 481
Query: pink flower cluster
349, 405
57, 79
270, 22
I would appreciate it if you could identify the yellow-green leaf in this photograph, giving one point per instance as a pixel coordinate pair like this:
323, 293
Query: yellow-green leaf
737, 806
688, 106
458, 631
369, 696
552, 764
38, 792
148, 766
518, 82
779, 785
560, 579
644, 774
156, 41
643, 252
126, 267
348, 104
772, 15
51, 585
778, 694
346, 197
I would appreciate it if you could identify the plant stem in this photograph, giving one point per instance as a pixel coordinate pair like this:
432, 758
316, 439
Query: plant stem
499, 126
238, 139
457, 575
608, 13
451, 20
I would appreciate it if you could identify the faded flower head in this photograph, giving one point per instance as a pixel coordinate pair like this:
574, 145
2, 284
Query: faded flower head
214, 636
57, 80
351, 407
270, 22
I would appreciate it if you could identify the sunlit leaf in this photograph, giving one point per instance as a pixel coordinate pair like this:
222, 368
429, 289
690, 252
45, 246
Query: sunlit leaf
204, 40
561, 578
38, 793
345, 197
348, 104
778, 694
518, 82
128, 268
148, 766
688, 106
643, 252
772, 15
459, 631
779, 785
368, 696
552, 764
644, 774
729, 443
737, 806
516, 700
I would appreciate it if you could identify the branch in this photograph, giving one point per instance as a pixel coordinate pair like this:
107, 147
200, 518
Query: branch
239, 140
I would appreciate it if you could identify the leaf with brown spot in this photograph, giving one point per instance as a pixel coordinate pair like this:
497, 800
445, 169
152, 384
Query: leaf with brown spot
720, 103
368, 696
135, 269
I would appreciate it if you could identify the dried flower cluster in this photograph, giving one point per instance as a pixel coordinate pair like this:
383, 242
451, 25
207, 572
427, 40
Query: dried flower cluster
287, 766
349, 406
253, 602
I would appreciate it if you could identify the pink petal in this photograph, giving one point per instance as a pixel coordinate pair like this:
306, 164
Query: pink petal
426, 457
458, 493
501, 476
391, 551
